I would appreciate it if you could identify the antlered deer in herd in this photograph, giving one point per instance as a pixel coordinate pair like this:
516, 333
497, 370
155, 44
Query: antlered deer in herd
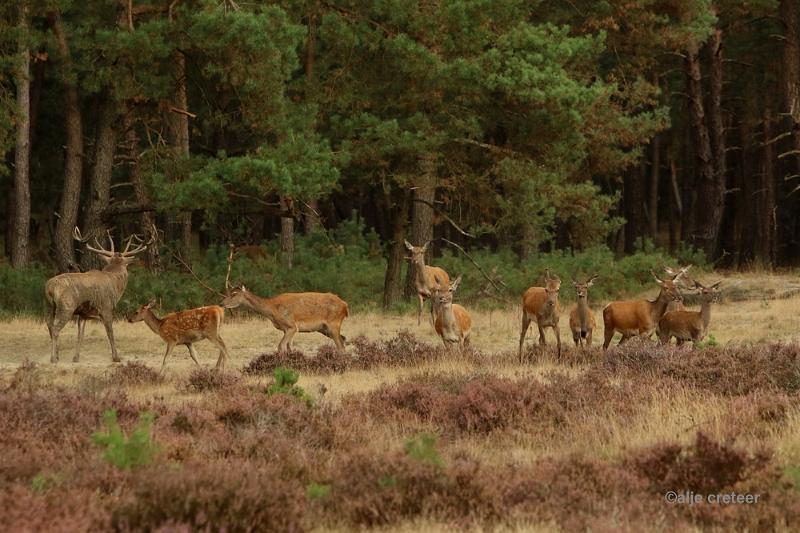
90, 294
581, 318
640, 317
451, 321
541, 304
426, 277
689, 325
186, 327
298, 311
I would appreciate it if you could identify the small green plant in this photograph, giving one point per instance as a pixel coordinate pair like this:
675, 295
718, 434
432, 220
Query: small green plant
793, 473
286, 383
41, 481
386, 482
127, 452
708, 342
317, 491
422, 448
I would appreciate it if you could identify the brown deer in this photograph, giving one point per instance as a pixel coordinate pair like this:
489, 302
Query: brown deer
186, 327
581, 318
686, 283
90, 294
451, 321
640, 317
689, 325
541, 304
425, 279
296, 311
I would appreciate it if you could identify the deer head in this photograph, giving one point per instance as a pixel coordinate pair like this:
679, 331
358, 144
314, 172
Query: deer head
235, 298
708, 294
552, 284
582, 289
142, 311
444, 296
669, 287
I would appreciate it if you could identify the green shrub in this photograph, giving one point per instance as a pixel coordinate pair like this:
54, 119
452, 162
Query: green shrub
317, 491
422, 448
286, 383
127, 452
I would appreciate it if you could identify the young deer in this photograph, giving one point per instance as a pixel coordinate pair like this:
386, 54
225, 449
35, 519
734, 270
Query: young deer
541, 304
640, 317
451, 321
581, 318
298, 311
689, 325
426, 277
185, 327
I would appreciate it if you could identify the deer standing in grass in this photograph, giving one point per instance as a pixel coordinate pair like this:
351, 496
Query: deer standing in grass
689, 325
90, 294
541, 304
451, 321
581, 318
425, 279
298, 311
186, 327
640, 317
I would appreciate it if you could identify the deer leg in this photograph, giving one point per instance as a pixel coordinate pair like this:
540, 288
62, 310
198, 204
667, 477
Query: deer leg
170, 346
223, 351
338, 339
588, 339
525, 323
542, 340
558, 339
59, 322
192, 353
81, 328
107, 318
608, 334
421, 306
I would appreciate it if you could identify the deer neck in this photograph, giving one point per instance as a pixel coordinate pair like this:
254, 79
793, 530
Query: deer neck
583, 312
419, 265
659, 307
153, 322
119, 273
448, 317
257, 303
705, 313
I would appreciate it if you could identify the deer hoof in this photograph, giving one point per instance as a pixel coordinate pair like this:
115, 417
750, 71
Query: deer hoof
117, 359
76, 359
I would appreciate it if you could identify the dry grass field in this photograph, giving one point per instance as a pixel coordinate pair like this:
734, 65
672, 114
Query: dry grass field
409, 436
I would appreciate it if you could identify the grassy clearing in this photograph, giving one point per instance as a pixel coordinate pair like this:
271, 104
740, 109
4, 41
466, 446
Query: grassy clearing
589, 442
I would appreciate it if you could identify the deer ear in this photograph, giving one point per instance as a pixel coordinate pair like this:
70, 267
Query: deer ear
437, 279
151, 303
454, 285
409, 246
715, 286
591, 280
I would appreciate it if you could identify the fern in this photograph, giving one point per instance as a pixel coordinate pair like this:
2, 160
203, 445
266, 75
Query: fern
127, 452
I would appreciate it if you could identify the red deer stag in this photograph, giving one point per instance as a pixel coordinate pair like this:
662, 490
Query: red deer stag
298, 311
640, 317
90, 294
186, 327
581, 318
426, 277
689, 325
451, 321
541, 304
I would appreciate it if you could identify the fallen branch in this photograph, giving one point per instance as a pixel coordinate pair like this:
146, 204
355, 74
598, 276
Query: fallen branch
195, 276
481, 270
450, 220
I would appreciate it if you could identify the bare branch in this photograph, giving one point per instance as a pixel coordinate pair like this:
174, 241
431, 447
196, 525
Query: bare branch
450, 220
480, 269
202, 283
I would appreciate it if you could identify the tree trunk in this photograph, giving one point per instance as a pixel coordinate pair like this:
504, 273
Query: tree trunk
287, 232
73, 165
393, 282
422, 214
146, 218
675, 207
529, 243
20, 253
652, 205
634, 195
311, 217
708, 202
100, 185
791, 71
179, 139
766, 199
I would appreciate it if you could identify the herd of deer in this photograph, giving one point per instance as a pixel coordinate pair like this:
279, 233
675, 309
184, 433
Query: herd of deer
93, 295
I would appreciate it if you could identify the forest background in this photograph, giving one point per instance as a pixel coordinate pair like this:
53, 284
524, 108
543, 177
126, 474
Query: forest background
604, 137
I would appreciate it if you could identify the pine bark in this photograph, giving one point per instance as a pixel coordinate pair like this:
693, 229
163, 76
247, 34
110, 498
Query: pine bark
422, 214
73, 165
652, 204
708, 200
287, 232
100, 184
766, 199
791, 71
393, 282
20, 245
